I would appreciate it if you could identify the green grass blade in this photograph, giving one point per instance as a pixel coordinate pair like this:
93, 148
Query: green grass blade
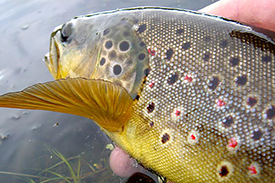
78, 168
19, 174
26, 179
58, 177
69, 167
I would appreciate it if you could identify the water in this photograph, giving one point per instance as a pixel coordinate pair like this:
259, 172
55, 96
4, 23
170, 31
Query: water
30, 140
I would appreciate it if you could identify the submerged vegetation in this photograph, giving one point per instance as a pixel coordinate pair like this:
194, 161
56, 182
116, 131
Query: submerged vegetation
74, 169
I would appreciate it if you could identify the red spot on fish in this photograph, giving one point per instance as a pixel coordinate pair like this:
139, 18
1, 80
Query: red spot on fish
220, 103
152, 84
192, 137
232, 143
252, 170
177, 113
188, 78
151, 52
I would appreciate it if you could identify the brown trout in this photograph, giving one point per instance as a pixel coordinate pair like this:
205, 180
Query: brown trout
188, 95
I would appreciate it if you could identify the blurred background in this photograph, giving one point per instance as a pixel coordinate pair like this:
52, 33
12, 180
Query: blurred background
37, 146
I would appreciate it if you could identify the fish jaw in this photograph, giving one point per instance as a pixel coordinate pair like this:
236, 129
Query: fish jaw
73, 54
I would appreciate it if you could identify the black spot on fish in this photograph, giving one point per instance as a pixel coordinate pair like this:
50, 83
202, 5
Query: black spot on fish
257, 134
142, 44
254, 40
137, 97
266, 58
186, 45
165, 137
142, 28
270, 112
224, 171
169, 53
171, 80
234, 61
224, 43
117, 69
228, 121
241, 80
213, 83
108, 44
106, 31
102, 61
147, 71
207, 38
251, 101
140, 178
124, 46
150, 107
112, 54
141, 56
206, 56
179, 31
151, 123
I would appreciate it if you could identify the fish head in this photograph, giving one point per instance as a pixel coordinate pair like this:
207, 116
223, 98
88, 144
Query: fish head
69, 49
101, 46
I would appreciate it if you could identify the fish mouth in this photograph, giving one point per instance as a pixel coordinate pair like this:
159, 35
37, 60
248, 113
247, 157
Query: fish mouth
52, 58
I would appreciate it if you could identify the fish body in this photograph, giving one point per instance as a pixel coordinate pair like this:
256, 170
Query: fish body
189, 95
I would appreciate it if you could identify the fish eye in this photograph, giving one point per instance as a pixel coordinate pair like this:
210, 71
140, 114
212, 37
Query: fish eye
66, 31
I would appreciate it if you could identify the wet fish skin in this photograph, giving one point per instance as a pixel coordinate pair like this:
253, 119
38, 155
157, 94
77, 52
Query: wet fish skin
202, 90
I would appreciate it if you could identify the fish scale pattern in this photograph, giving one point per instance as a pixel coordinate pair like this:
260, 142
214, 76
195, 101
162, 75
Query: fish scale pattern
210, 90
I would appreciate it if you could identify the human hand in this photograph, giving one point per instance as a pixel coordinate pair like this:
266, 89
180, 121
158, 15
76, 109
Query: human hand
252, 12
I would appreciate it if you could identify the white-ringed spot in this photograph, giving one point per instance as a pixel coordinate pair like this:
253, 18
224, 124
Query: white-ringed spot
254, 169
233, 144
220, 103
166, 137
193, 137
224, 170
177, 113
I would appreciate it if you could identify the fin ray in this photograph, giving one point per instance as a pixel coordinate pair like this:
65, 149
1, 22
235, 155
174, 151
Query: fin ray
107, 104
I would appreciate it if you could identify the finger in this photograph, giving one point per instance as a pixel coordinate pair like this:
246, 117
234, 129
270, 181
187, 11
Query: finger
121, 163
253, 12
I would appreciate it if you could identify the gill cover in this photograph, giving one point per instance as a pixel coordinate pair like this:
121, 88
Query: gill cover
100, 46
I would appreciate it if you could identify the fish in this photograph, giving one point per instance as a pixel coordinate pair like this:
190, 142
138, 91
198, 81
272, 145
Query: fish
190, 96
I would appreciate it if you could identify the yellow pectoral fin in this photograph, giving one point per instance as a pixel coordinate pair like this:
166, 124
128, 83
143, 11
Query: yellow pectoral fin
107, 104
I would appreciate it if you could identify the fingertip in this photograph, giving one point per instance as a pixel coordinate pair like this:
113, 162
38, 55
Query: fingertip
121, 163
224, 8
252, 12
